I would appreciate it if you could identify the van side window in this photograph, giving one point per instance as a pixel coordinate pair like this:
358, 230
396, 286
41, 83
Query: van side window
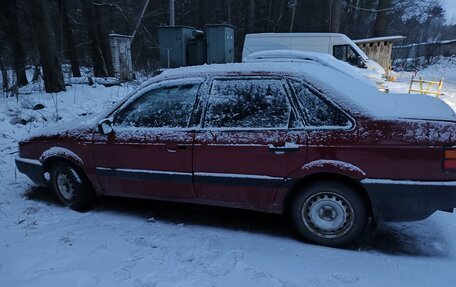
347, 54
248, 103
318, 112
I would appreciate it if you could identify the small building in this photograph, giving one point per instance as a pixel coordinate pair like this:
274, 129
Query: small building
185, 46
220, 43
173, 45
379, 49
121, 56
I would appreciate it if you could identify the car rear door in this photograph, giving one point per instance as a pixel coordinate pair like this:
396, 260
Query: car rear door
245, 150
150, 152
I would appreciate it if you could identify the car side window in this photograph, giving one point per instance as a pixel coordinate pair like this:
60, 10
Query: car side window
168, 107
248, 103
318, 112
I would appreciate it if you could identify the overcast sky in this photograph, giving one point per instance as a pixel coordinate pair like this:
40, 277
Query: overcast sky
450, 7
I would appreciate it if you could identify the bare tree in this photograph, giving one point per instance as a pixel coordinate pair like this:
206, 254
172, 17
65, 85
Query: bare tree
381, 20
335, 15
250, 16
10, 22
68, 35
293, 13
99, 42
49, 60
5, 81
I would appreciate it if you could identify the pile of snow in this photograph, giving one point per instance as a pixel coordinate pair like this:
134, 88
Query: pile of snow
79, 104
441, 67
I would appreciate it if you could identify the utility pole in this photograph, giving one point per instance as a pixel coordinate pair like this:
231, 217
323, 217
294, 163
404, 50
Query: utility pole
140, 19
293, 13
172, 20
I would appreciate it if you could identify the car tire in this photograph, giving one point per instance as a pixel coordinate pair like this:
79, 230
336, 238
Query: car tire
72, 187
329, 213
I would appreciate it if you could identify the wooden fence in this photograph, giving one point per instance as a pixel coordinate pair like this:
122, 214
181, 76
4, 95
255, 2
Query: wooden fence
427, 50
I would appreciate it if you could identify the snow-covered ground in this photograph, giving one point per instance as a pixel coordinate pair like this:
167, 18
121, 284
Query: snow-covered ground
144, 243
444, 68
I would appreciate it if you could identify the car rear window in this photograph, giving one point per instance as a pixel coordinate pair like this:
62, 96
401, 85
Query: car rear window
168, 107
318, 112
248, 103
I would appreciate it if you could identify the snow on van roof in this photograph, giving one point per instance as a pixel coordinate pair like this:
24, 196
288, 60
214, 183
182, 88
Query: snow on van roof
344, 89
268, 35
379, 39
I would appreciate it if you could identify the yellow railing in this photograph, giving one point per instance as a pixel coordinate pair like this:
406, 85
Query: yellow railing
426, 87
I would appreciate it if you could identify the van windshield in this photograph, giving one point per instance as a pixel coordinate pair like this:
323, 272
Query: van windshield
347, 54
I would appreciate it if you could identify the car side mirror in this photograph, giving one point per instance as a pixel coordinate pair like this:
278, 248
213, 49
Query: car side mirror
361, 63
105, 127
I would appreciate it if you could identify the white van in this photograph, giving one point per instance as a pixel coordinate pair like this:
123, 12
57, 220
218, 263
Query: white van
338, 45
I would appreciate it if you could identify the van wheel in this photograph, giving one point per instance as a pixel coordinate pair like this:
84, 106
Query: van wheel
329, 213
72, 187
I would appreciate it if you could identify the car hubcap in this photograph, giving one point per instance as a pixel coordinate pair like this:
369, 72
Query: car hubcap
328, 215
64, 185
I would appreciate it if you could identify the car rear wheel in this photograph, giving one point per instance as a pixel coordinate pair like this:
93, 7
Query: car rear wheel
71, 187
329, 213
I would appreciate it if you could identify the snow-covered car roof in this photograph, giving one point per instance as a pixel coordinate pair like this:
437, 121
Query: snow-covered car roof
344, 89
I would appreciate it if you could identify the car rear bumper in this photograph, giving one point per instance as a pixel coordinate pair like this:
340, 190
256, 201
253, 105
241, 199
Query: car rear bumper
397, 200
33, 169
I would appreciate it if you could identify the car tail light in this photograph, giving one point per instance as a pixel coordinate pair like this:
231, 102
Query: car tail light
449, 160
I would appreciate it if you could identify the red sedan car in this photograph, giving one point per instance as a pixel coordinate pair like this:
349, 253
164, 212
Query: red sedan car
296, 138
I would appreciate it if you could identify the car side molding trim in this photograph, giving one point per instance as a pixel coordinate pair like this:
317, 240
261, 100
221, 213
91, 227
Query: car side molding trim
199, 177
156, 175
408, 182
240, 179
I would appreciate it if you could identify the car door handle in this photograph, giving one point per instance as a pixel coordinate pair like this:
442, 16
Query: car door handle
182, 146
284, 148
175, 148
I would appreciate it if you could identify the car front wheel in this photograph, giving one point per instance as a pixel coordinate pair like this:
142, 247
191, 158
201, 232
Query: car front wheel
329, 213
71, 187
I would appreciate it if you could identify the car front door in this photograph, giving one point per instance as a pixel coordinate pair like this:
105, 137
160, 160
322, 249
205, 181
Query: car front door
149, 154
245, 150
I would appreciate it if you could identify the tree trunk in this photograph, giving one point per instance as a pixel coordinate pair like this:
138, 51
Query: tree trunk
335, 17
103, 37
36, 73
52, 69
228, 11
68, 34
98, 63
381, 20
5, 82
196, 14
9, 14
250, 17
293, 14
101, 50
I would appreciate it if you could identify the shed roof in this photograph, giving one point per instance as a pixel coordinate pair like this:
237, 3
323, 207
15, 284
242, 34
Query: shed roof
380, 39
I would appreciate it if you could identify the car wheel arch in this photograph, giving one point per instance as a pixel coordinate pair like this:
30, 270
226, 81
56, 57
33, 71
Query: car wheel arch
301, 183
60, 154
333, 166
51, 161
